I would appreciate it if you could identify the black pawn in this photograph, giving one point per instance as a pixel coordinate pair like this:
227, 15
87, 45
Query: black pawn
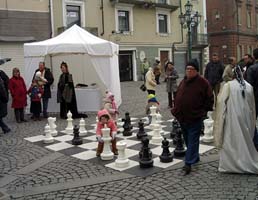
180, 150
76, 139
146, 158
166, 156
174, 128
141, 132
127, 125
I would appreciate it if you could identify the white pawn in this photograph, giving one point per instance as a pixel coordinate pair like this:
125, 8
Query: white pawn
97, 120
82, 130
208, 129
48, 137
107, 154
69, 128
156, 138
153, 115
51, 122
122, 161
159, 118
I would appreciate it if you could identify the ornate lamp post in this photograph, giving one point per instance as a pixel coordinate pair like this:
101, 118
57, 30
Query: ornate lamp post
191, 20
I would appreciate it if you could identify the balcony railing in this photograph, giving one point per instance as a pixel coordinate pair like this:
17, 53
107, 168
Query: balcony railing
148, 4
200, 40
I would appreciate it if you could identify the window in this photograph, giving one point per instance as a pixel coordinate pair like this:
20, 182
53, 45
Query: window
124, 19
256, 22
250, 50
248, 17
163, 22
73, 13
162, 1
239, 11
239, 52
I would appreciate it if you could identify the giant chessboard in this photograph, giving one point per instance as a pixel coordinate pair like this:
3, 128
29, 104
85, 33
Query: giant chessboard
87, 151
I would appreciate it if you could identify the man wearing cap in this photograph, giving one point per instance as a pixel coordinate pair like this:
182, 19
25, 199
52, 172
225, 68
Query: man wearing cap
193, 100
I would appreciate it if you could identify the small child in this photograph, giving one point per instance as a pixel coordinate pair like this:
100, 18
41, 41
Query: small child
152, 101
35, 92
105, 119
40, 79
110, 105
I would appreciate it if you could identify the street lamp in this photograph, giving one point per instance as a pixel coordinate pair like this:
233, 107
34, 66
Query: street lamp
191, 20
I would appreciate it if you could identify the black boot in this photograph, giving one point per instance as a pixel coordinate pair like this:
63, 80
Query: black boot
22, 115
17, 115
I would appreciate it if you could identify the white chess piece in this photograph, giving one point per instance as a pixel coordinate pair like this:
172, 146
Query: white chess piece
208, 129
69, 128
82, 130
48, 137
159, 118
51, 122
122, 161
107, 154
153, 115
97, 120
156, 137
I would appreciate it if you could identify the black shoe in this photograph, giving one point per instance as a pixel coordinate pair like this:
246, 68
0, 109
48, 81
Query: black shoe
45, 115
24, 120
7, 131
187, 169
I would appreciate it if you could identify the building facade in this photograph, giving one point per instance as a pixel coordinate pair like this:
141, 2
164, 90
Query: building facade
232, 27
21, 21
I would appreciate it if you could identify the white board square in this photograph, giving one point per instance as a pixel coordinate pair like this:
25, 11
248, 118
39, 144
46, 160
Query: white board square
157, 163
158, 150
64, 138
59, 146
131, 164
204, 148
90, 145
35, 138
85, 155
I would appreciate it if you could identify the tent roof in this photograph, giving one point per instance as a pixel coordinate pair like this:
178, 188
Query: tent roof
73, 40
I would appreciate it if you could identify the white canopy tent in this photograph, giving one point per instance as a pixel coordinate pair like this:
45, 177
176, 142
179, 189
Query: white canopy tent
90, 59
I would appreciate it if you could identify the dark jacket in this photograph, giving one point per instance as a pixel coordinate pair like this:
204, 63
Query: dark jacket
213, 73
252, 78
50, 79
193, 100
3, 99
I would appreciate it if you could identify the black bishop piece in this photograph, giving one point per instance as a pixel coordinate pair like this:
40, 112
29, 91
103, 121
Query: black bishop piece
141, 132
127, 125
166, 156
146, 158
76, 139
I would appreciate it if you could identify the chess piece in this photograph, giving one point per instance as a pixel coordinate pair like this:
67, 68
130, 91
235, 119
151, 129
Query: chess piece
156, 138
48, 137
175, 126
122, 161
159, 118
208, 129
69, 128
51, 122
127, 125
146, 158
77, 140
166, 156
107, 154
82, 130
180, 150
97, 120
141, 132
153, 115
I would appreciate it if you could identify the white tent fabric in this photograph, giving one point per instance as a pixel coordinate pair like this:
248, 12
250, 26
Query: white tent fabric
76, 42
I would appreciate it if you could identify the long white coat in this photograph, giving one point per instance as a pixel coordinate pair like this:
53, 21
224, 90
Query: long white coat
234, 129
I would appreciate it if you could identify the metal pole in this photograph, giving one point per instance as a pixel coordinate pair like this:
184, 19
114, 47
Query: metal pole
189, 41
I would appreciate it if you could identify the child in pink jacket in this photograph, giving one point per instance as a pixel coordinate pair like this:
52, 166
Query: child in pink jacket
110, 105
105, 119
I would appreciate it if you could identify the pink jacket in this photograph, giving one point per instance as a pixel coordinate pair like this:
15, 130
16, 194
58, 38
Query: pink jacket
110, 124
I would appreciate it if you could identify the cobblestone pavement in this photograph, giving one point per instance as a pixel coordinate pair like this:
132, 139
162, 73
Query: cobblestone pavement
29, 172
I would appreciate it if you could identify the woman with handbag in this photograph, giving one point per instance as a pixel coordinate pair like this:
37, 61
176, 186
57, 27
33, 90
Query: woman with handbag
66, 94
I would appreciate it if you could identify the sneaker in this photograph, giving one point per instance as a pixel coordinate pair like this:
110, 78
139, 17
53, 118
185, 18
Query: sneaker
187, 169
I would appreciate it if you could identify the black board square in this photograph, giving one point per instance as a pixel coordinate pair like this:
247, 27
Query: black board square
72, 150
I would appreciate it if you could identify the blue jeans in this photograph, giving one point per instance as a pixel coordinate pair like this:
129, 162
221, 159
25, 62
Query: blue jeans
191, 133
45, 105
4, 127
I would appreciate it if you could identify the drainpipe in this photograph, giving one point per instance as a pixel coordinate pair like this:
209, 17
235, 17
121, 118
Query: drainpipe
102, 17
51, 20
182, 38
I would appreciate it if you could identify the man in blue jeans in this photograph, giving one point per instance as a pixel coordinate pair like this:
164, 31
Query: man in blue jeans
193, 100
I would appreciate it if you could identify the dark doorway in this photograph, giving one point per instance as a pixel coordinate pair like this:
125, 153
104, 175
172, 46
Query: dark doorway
126, 65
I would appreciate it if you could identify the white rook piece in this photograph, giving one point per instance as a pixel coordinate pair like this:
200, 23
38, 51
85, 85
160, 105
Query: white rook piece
48, 137
107, 154
69, 128
51, 122
156, 138
208, 129
82, 130
121, 161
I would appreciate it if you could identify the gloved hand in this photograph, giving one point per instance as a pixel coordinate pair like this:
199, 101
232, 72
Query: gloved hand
114, 135
99, 139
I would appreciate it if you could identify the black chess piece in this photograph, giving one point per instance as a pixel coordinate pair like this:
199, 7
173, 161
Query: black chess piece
174, 128
141, 132
127, 125
166, 156
180, 150
76, 139
146, 158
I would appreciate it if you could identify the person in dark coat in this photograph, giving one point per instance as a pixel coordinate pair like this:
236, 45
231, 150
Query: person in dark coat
213, 73
48, 76
66, 94
4, 79
19, 95
194, 99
